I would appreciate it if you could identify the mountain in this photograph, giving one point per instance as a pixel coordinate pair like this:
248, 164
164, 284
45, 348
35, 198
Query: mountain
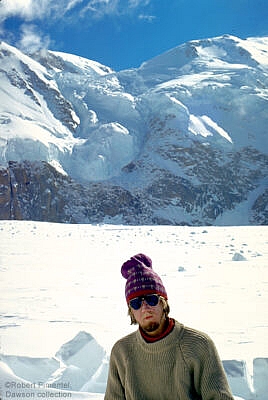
180, 140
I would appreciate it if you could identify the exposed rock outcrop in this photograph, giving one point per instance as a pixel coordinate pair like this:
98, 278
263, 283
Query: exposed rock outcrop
37, 191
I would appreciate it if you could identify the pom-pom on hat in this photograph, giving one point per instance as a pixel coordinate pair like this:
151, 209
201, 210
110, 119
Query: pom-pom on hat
141, 278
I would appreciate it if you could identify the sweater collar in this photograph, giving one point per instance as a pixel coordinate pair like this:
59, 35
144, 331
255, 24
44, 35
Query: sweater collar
169, 327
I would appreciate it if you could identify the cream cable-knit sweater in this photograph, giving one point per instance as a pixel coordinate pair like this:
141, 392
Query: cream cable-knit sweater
184, 365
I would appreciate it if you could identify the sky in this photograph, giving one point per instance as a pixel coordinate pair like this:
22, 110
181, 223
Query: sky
123, 34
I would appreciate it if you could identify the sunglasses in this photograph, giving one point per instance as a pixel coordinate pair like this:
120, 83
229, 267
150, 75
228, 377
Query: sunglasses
151, 299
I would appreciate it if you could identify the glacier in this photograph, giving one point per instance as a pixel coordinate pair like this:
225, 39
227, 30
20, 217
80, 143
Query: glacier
194, 117
67, 106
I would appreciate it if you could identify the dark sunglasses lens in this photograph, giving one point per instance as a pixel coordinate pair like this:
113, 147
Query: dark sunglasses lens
152, 299
136, 303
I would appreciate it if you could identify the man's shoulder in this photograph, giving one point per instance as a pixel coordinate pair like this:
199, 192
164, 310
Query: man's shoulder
126, 341
193, 334
191, 338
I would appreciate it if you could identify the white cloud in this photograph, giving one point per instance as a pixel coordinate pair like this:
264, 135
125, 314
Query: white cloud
35, 9
138, 3
31, 40
99, 8
27, 9
148, 18
71, 4
116, 7
62, 11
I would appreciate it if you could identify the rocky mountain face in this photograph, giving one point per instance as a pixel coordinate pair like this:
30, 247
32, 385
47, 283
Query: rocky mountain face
181, 140
37, 191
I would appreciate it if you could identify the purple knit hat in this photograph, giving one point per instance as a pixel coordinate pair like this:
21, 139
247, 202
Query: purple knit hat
141, 279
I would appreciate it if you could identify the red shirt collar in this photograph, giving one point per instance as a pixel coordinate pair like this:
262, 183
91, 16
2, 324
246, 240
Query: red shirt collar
169, 327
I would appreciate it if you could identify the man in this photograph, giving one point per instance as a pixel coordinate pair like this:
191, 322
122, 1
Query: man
163, 359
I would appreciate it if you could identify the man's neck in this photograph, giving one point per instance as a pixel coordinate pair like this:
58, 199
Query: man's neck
164, 329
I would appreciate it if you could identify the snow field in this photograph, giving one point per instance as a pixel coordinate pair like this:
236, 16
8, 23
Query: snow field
63, 307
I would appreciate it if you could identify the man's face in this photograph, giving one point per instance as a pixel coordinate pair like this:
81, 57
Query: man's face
151, 319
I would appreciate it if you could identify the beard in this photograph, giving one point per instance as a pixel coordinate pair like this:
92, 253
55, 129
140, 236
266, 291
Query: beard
151, 327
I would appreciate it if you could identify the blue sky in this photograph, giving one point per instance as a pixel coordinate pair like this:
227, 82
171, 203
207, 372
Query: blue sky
123, 33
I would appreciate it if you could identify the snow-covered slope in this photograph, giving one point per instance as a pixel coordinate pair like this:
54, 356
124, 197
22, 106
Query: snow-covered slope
36, 120
186, 132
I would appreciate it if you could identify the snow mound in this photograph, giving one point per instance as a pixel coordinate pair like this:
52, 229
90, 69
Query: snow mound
238, 378
81, 357
83, 351
13, 387
97, 382
70, 377
238, 257
31, 369
79, 365
260, 377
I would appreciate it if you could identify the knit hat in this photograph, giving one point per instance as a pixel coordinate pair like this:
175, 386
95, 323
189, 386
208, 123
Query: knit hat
141, 279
